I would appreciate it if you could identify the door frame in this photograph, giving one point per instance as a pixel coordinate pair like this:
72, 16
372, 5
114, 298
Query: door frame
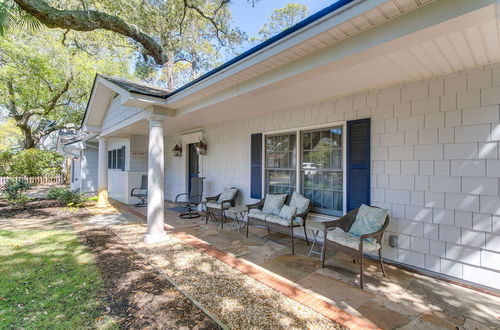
187, 139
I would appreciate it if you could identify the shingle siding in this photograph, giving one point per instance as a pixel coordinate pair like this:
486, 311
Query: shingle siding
435, 166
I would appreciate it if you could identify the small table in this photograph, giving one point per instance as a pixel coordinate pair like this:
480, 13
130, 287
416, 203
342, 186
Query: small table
316, 227
239, 215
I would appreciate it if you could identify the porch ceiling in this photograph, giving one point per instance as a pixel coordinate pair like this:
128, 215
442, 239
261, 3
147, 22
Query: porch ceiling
434, 40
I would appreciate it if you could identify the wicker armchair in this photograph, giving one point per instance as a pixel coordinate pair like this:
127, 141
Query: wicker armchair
214, 207
356, 252
287, 228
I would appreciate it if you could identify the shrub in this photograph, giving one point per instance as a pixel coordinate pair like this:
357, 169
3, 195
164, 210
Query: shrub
13, 188
67, 197
55, 193
21, 200
35, 162
14, 191
5, 161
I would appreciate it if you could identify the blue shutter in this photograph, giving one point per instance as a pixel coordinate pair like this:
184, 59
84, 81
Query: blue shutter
256, 166
358, 163
123, 159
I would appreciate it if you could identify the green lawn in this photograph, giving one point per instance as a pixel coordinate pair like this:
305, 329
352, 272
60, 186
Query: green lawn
47, 280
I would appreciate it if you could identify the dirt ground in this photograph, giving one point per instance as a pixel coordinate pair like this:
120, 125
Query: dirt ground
135, 294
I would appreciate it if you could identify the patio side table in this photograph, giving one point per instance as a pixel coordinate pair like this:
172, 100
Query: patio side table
239, 213
316, 227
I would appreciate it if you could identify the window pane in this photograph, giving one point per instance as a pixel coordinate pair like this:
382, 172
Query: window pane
281, 163
321, 169
114, 159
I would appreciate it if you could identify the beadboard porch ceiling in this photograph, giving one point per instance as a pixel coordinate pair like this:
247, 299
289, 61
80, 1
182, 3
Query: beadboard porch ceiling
437, 38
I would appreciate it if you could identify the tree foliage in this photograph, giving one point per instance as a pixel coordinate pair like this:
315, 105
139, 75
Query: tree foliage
152, 24
31, 162
282, 19
45, 78
10, 135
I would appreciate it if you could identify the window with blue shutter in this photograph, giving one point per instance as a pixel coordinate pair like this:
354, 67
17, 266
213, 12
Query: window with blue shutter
256, 166
358, 163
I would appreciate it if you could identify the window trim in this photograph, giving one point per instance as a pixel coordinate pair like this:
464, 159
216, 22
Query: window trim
297, 131
113, 160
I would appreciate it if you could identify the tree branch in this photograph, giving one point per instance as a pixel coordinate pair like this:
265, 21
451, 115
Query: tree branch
53, 102
12, 104
89, 20
210, 19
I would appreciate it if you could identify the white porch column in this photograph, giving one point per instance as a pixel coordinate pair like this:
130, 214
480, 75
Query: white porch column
102, 174
156, 184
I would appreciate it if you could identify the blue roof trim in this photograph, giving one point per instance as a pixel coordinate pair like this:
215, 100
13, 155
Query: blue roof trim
279, 36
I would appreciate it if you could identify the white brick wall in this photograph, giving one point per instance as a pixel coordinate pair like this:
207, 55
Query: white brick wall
435, 166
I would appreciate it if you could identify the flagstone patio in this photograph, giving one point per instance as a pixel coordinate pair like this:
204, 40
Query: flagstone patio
403, 299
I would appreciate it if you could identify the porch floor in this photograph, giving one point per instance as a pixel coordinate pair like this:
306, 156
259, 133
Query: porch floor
402, 299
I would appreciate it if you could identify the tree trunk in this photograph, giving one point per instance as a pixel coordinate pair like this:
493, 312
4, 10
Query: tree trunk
29, 141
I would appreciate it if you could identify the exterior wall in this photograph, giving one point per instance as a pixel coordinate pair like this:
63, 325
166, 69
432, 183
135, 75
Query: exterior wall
118, 113
88, 173
120, 183
138, 153
435, 166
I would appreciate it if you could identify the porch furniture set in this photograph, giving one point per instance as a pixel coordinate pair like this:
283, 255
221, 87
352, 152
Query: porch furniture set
360, 230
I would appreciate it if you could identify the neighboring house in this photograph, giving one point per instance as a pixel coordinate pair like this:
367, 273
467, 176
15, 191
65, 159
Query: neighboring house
80, 151
394, 103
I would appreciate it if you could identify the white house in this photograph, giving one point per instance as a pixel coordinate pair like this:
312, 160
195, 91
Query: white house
390, 102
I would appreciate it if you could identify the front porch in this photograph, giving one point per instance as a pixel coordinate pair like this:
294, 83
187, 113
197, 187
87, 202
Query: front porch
402, 299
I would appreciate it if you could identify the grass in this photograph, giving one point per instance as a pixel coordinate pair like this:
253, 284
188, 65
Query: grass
48, 280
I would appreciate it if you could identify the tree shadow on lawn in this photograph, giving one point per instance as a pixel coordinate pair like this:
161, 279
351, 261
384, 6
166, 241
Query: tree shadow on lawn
47, 281
136, 293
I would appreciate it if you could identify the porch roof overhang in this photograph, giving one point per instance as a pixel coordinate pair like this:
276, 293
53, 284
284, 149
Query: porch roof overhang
366, 45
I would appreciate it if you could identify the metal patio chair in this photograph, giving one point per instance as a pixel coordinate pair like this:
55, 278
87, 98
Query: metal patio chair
193, 199
218, 204
142, 192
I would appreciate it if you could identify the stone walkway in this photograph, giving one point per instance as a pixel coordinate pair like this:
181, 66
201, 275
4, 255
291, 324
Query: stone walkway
403, 299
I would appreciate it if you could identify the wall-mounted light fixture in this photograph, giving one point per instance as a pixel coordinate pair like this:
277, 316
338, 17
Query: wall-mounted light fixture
201, 147
177, 151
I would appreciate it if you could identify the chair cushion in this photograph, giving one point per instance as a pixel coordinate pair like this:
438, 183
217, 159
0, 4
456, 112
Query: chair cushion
273, 203
279, 220
227, 194
347, 239
287, 212
300, 202
368, 220
256, 213
214, 205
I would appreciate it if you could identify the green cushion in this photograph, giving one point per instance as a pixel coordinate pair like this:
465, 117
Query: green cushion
273, 203
368, 220
287, 212
300, 202
227, 194
352, 241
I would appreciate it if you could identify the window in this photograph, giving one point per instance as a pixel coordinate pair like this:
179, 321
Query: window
281, 162
321, 169
319, 173
116, 159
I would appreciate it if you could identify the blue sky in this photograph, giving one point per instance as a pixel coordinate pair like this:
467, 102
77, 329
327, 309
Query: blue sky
249, 19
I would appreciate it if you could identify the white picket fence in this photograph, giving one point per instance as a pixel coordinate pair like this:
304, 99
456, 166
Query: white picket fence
35, 180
